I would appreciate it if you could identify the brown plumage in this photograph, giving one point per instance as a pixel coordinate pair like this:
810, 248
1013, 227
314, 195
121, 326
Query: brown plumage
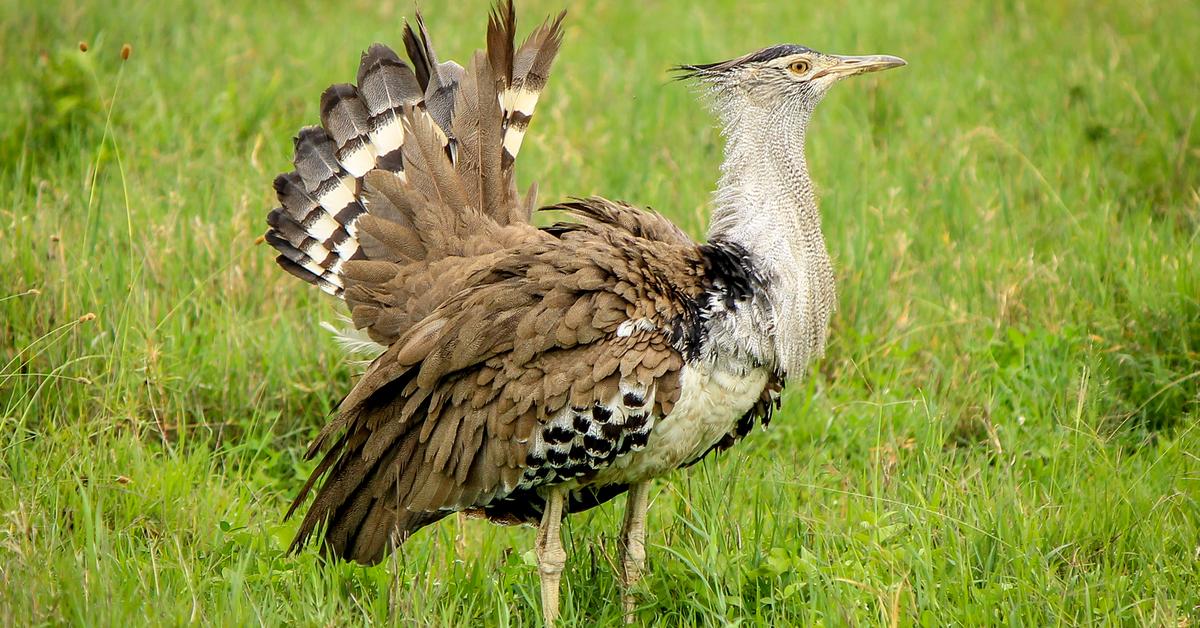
492, 326
523, 373
443, 419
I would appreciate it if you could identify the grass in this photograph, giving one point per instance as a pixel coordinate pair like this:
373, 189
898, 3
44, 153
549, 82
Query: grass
1004, 430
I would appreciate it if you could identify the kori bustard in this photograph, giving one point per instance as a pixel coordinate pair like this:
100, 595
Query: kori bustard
523, 373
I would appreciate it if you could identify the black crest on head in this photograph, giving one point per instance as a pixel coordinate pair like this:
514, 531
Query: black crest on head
761, 56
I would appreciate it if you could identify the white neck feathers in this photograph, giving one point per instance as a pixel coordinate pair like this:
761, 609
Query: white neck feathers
765, 202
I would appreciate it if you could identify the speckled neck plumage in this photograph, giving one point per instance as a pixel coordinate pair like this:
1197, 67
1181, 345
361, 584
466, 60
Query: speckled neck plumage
765, 202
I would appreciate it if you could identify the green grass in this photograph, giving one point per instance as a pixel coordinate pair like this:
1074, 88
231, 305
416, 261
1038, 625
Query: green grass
1004, 430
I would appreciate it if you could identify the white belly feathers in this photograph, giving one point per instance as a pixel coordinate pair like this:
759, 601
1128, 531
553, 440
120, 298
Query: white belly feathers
711, 400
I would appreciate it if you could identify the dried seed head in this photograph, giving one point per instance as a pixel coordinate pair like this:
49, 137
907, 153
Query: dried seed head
260, 239
83, 46
90, 316
125, 52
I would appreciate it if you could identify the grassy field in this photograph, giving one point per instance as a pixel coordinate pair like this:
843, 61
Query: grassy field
1004, 430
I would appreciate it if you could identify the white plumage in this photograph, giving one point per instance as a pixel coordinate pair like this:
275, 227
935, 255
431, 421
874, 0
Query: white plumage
712, 398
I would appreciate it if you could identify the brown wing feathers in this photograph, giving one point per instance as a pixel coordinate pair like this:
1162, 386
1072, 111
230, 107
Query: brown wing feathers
446, 418
601, 213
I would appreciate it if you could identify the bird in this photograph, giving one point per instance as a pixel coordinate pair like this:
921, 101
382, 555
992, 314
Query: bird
522, 373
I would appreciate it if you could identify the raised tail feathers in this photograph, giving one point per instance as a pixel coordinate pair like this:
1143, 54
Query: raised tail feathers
313, 240
402, 194
433, 120
526, 79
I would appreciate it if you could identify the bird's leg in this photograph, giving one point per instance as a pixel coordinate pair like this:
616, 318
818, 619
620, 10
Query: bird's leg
633, 545
552, 558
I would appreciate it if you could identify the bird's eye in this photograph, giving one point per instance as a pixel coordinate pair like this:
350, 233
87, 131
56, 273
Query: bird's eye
799, 67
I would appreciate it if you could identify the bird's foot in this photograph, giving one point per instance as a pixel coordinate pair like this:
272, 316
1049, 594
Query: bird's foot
631, 573
550, 568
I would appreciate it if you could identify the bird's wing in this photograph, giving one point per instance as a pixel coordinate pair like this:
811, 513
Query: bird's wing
599, 214
550, 362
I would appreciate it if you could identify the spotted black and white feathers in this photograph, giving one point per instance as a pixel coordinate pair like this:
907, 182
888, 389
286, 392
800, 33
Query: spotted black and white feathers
581, 441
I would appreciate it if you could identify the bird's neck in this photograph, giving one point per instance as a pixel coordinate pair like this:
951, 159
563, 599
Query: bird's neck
766, 203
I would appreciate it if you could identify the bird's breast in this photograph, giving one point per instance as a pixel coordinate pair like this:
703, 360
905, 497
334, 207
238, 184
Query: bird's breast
712, 398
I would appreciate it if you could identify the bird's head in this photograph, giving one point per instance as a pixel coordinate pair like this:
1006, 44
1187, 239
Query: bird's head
783, 75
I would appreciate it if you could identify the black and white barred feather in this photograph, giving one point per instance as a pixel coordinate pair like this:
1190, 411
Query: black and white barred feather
363, 128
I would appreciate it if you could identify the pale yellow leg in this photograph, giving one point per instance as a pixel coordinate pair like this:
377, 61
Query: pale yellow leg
552, 558
633, 545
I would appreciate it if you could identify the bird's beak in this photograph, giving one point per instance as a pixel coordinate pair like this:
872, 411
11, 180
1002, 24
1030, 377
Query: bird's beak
850, 65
